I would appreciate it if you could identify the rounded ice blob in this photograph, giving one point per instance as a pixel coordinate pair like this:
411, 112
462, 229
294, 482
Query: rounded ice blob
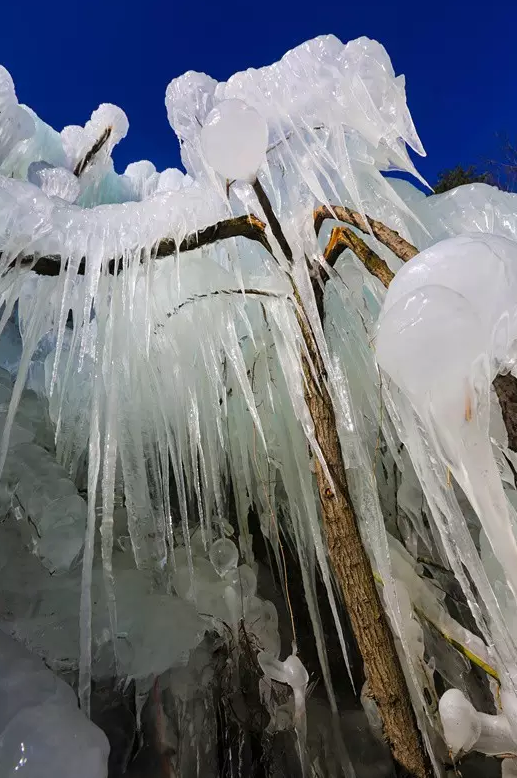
224, 556
234, 140
54, 181
243, 579
480, 267
428, 341
460, 721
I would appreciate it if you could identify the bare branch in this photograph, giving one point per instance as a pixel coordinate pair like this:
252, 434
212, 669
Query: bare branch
342, 238
228, 292
390, 238
276, 228
97, 146
241, 226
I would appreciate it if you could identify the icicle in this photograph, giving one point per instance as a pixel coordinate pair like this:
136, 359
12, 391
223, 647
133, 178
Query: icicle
85, 614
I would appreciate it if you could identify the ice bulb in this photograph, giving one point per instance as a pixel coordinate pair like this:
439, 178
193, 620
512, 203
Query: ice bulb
224, 556
234, 140
243, 579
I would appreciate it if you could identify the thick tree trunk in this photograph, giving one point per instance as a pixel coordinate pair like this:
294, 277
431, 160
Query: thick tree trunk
506, 389
348, 557
354, 574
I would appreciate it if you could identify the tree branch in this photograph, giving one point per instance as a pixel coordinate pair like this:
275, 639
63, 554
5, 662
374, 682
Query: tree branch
342, 238
390, 238
97, 146
276, 228
241, 226
228, 292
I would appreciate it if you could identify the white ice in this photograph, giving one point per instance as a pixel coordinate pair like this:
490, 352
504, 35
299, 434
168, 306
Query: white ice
43, 734
234, 140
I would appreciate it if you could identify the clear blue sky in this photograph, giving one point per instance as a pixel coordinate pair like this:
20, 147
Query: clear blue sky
459, 58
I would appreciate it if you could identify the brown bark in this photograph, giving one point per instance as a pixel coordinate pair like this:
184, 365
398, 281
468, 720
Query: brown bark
244, 226
350, 562
342, 238
354, 574
506, 390
390, 238
97, 146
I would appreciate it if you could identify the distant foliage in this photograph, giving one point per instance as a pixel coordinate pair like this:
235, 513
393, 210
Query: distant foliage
458, 176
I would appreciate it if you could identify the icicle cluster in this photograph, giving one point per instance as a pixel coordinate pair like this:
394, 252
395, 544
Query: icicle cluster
176, 373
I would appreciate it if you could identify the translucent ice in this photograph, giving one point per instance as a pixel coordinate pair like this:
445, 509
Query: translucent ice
448, 326
234, 140
224, 556
16, 124
509, 768
54, 181
50, 502
292, 672
466, 729
43, 734
243, 579
172, 374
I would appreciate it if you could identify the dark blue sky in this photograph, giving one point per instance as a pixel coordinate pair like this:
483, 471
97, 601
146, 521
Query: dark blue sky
459, 58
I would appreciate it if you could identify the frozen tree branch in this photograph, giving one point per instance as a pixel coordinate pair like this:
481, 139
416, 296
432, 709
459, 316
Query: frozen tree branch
241, 226
97, 146
227, 292
276, 228
342, 238
452, 634
390, 238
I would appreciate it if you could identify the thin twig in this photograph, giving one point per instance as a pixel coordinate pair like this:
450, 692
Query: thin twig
229, 292
464, 650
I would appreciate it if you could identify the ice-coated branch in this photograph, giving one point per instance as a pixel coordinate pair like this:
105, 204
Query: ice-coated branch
470, 646
242, 226
390, 238
90, 154
276, 228
227, 292
342, 238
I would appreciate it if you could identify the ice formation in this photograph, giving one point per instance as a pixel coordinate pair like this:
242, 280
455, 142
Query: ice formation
168, 357
42, 731
234, 140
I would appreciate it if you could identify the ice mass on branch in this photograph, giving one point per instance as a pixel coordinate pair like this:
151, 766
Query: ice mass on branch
261, 394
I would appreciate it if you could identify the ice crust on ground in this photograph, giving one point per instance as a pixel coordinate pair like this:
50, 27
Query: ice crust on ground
43, 734
186, 369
